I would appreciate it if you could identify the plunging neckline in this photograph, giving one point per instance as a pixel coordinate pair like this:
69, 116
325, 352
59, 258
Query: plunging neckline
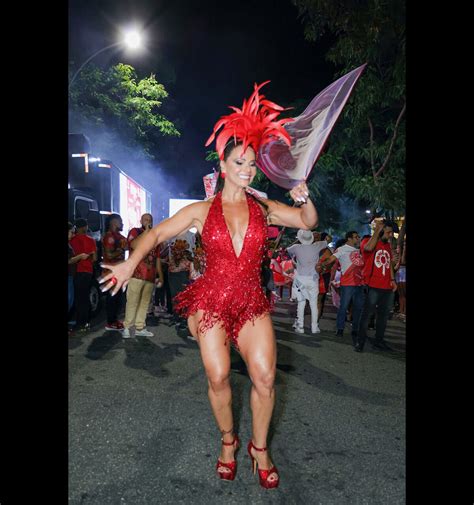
228, 231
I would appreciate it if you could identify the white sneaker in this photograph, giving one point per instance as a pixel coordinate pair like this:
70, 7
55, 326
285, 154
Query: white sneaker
298, 329
315, 329
144, 333
126, 333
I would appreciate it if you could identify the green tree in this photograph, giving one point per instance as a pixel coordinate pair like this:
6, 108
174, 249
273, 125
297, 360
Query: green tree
117, 102
368, 143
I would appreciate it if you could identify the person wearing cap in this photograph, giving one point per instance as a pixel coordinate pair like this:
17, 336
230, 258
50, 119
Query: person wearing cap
306, 280
83, 245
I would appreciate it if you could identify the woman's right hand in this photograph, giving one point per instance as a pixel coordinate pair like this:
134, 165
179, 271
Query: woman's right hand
300, 193
121, 272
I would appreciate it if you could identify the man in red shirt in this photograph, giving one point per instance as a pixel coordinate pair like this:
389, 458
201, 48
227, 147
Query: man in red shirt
140, 286
379, 279
114, 245
83, 244
351, 262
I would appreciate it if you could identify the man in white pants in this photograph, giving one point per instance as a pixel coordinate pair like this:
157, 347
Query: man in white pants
306, 280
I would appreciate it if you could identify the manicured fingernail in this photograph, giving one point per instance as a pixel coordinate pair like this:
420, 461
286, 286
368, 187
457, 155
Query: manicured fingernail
101, 281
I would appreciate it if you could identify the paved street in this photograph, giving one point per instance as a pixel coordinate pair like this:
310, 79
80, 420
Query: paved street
141, 430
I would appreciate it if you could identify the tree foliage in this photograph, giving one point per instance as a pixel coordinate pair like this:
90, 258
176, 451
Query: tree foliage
368, 143
116, 101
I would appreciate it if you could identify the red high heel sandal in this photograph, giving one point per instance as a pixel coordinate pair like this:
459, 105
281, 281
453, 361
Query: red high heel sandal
263, 474
232, 465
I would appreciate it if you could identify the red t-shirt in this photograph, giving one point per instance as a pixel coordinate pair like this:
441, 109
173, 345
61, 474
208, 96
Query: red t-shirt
351, 263
113, 241
377, 265
82, 243
146, 269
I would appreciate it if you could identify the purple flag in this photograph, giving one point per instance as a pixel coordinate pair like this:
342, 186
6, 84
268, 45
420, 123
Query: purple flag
288, 166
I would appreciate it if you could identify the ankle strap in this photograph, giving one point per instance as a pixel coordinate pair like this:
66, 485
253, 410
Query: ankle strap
257, 448
229, 443
223, 432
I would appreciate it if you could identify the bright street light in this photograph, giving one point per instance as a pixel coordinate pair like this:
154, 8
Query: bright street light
131, 39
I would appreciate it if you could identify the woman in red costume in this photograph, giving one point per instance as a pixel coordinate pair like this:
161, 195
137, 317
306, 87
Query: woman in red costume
227, 303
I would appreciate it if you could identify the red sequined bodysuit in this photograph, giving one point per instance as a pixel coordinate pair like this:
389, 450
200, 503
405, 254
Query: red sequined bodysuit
230, 290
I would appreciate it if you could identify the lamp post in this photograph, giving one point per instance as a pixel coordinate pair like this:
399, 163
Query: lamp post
131, 40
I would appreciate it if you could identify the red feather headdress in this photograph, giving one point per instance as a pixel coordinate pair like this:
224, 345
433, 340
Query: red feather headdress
255, 124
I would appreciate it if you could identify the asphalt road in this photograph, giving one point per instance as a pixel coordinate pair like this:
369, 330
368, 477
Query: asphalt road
141, 430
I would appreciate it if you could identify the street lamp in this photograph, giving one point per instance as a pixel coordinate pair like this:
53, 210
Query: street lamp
132, 40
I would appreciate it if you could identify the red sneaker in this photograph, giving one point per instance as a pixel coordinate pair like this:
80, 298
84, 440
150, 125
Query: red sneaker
120, 325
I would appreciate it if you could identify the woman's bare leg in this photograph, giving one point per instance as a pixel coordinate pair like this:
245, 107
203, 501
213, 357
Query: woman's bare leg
320, 305
258, 348
215, 354
402, 297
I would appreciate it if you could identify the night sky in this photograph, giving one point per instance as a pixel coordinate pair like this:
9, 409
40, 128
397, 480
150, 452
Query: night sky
208, 54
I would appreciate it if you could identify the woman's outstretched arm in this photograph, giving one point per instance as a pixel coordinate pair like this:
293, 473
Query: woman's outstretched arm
182, 221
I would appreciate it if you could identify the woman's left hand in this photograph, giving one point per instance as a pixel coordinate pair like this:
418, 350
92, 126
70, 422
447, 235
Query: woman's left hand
300, 193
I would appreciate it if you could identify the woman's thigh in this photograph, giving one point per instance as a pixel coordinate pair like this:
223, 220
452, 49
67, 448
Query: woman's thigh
214, 347
257, 345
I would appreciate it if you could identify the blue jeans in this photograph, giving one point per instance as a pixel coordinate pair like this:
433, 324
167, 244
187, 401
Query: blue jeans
379, 301
70, 291
348, 293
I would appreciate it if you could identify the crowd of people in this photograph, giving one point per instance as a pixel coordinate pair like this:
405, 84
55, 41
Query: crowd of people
164, 272
365, 278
